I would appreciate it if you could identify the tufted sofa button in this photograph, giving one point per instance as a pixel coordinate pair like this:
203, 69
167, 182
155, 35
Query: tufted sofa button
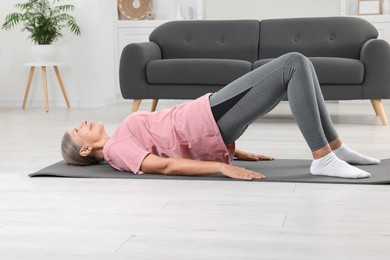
331, 38
221, 40
188, 40
296, 38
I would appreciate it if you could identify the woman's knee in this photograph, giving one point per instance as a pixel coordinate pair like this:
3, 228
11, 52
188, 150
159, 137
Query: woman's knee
297, 58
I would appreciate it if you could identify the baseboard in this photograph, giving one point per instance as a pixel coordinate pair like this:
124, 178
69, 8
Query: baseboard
53, 103
113, 101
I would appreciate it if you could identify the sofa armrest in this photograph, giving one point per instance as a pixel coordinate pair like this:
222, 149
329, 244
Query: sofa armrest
375, 54
132, 68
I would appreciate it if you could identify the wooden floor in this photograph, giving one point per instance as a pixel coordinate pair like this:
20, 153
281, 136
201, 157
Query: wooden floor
58, 218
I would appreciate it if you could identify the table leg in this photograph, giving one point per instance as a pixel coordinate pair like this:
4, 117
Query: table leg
30, 77
44, 78
62, 85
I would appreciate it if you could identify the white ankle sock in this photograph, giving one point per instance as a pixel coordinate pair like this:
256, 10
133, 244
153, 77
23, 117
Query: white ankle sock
330, 165
350, 156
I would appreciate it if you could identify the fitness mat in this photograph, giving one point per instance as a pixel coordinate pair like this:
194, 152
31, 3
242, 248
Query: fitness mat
279, 170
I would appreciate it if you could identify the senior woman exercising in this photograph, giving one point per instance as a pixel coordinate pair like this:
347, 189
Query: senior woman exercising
197, 137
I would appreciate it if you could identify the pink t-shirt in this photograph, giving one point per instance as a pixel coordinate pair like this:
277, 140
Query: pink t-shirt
186, 131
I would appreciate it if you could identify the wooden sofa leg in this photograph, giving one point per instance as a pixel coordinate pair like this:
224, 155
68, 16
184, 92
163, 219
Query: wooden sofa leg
154, 105
374, 106
379, 110
136, 104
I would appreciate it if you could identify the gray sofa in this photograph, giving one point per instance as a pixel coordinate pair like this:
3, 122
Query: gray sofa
186, 59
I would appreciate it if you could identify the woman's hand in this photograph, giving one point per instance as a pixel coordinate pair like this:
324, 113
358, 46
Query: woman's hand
240, 173
245, 156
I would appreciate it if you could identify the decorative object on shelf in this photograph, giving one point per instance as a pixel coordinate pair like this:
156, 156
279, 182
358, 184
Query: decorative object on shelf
369, 7
179, 14
386, 7
134, 9
351, 7
150, 15
184, 12
187, 12
44, 21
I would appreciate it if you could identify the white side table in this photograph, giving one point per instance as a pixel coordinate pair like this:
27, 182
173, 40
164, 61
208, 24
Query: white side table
43, 65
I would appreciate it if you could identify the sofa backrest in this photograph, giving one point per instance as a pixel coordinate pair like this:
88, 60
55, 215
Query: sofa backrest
315, 37
208, 39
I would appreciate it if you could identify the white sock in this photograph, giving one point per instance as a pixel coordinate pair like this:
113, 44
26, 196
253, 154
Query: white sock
330, 165
350, 156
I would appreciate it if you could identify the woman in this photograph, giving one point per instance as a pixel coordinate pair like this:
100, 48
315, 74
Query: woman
197, 137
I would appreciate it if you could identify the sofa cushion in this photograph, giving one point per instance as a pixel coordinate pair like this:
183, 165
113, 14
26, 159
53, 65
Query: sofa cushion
196, 71
229, 39
315, 37
333, 70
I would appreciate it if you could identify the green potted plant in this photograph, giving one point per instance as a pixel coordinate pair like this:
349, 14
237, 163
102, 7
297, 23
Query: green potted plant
44, 21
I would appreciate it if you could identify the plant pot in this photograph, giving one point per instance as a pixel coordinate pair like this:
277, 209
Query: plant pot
44, 53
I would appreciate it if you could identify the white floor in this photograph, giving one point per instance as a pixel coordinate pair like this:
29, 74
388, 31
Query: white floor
58, 218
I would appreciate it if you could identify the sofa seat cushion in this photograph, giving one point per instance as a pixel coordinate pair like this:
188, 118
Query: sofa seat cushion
196, 71
333, 70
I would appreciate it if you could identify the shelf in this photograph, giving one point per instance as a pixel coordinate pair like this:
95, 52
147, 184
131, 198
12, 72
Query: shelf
165, 10
139, 23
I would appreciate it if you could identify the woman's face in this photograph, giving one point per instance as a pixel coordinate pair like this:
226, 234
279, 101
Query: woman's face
89, 134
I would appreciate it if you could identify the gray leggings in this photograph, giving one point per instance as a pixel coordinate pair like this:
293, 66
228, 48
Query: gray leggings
248, 98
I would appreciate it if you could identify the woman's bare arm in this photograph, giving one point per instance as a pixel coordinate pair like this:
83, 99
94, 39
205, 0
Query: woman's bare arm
245, 156
187, 167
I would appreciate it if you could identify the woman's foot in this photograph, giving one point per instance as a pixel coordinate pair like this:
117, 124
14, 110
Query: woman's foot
331, 165
350, 156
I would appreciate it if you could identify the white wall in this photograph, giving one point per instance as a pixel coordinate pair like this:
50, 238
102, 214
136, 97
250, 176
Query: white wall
89, 74
264, 9
89, 77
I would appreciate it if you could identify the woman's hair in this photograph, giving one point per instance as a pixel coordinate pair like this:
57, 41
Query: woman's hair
71, 153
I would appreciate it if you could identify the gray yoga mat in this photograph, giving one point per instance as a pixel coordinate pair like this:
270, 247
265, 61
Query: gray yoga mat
279, 170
